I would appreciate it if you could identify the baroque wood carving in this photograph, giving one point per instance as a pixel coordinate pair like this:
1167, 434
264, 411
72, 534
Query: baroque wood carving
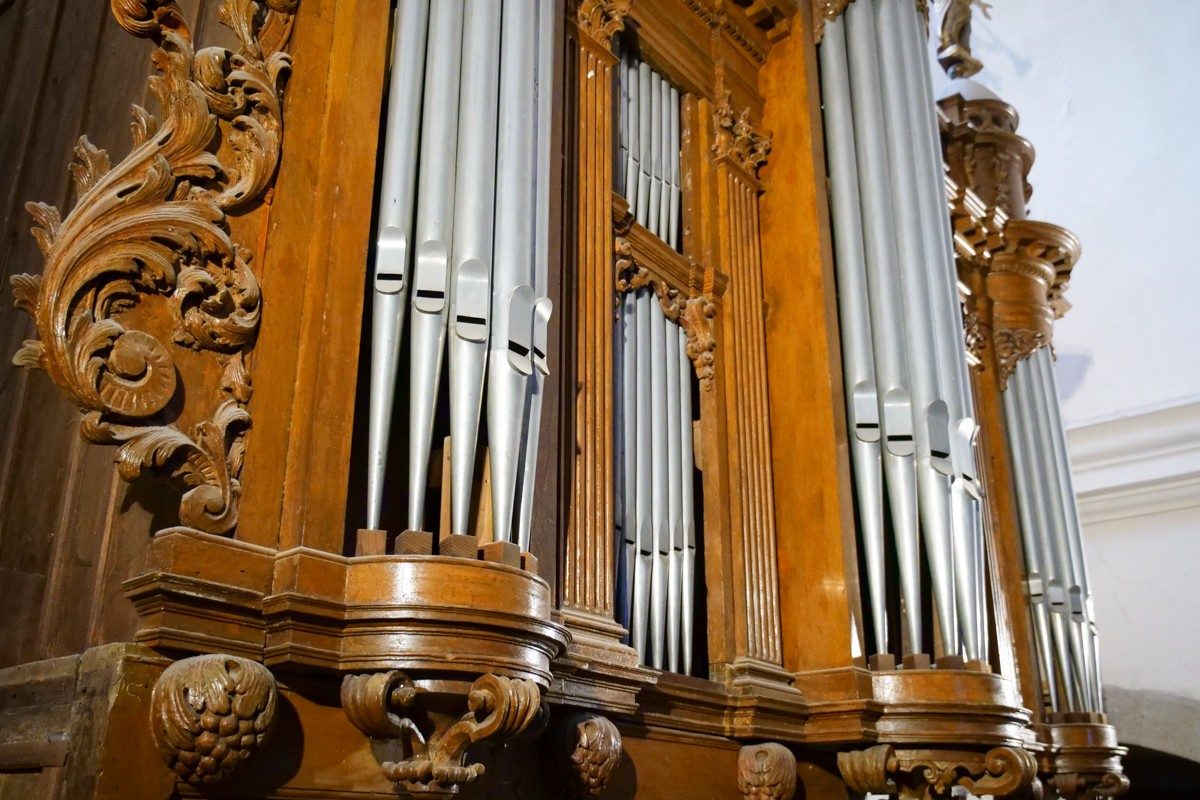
602, 19
211, 713
931, 774
954, 38
766, 772
433, 746
737, 139
592, 749
155, 225
825, 11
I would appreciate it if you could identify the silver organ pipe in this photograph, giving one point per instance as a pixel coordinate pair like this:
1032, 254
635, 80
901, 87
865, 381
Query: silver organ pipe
474, 198
654, 380
908, 392
393, 247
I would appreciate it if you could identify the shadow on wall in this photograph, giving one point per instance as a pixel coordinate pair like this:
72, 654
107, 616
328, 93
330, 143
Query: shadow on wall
1155, 775
1162, 732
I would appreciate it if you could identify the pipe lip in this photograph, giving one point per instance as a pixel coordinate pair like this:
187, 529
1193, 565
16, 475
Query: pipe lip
967, 88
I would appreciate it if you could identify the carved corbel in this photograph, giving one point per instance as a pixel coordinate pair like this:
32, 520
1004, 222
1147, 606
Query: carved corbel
156, 224
698, 321
601, 19
766, 772
589, 749
933, 774
430, 745
737, 140
209, 714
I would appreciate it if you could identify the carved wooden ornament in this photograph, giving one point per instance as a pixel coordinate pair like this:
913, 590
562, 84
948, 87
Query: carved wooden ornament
593, 750
210, 713
155, 224
499, 709
766, 772
933, 774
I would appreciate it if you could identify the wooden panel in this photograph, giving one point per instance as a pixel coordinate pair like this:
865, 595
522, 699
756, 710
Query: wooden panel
812, 490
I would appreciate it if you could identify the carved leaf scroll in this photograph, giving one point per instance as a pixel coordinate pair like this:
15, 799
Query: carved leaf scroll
155, 224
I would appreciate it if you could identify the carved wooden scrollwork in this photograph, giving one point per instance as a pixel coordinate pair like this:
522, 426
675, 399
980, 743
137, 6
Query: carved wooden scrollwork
1074, 786
155, 224
766, 772
601, 19
387, 706
590, 749
737, 139
210, 713
933, 774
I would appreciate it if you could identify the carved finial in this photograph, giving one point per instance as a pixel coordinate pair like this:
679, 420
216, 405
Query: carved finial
499, 709
954, 39
766, 772
602, 19
737, 139
590, 749
210, 713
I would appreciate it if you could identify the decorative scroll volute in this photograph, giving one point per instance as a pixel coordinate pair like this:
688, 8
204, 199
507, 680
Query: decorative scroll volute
386, 706
209, 714
155, 224
737, 140
766, 772
933, 774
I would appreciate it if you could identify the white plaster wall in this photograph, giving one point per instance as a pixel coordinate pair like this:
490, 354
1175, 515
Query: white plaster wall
1109, 95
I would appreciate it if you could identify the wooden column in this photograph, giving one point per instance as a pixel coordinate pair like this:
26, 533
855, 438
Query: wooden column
739, 149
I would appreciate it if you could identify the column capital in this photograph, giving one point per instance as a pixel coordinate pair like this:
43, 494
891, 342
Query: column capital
737, 140
601, 19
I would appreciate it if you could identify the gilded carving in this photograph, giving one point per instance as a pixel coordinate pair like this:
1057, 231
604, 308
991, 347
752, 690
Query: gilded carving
737, 139
593, 750
1012, 345
954, 38
766, 772
155, 224
825, 11
934, 774
386, 706
601, 19
210, 713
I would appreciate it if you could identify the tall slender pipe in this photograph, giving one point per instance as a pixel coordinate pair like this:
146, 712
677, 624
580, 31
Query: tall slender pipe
474, 208
674, 172
887, 316
675, 598
687, 467
659, 498
644, 92
393, 249
858, 362
644, 507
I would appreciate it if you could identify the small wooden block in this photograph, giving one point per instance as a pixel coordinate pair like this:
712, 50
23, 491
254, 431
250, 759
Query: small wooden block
370, 542
459, 545
501, 553
414, 543
978, 665
917, 661
881, 662
529, 563
951, 662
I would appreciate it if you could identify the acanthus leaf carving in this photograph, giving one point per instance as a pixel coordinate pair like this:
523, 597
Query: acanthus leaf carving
387, 706
602, 19
934, 774
590, 748
155, 224
737, 139
209, 714
766, 772
699, 317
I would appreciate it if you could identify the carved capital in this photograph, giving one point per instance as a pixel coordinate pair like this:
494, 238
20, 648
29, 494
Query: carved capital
589, 749
432, 745
933, 774
601, 19
825, 11
738, 140
766, 772
210, 713
156, 224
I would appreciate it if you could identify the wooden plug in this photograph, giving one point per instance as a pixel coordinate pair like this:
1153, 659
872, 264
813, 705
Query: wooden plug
529, 563
501, 553
414, 543
917, 661
951, 662
368, 542
978, 665
458, 545
881, 662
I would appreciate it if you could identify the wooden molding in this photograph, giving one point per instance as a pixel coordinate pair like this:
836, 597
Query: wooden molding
766, 771
210, 714
389, 706
156, 223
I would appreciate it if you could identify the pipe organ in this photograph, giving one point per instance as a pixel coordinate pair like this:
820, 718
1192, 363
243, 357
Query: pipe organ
620, 398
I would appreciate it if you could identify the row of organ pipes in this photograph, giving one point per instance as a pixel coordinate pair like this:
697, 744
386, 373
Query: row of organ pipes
655, 495
908, 394
462, 238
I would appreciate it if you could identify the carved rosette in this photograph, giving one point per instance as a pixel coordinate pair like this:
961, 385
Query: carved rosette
766, 772
209, 714
590, 749
391, 707
155, 224
933, 774
601, 19
738, 140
